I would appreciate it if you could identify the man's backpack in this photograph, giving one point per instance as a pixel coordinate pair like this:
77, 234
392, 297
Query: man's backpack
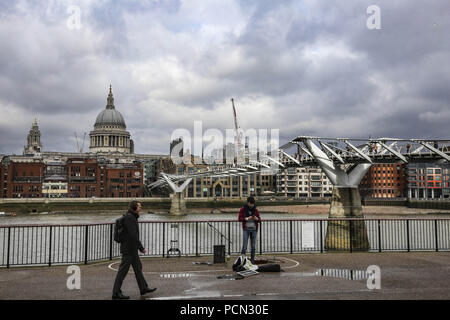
119, 230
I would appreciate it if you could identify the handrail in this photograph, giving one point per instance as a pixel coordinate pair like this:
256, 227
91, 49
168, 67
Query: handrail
209, 221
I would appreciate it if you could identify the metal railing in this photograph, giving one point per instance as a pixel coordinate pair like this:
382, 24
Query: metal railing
74, 244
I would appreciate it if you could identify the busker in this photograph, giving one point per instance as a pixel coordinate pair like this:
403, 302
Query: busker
250, 218
129, 249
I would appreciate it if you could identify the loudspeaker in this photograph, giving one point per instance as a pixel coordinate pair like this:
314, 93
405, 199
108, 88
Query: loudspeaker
219, 253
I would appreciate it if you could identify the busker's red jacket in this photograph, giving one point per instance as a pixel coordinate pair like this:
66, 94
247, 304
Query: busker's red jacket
242, 218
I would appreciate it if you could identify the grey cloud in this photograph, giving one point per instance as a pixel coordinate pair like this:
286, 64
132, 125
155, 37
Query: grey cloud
389, 82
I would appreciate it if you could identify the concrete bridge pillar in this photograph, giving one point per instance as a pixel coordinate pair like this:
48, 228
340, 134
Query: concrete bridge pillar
178, 205
346, 235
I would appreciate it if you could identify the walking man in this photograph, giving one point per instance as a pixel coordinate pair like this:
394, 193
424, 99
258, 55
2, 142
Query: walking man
250, 218
129, 250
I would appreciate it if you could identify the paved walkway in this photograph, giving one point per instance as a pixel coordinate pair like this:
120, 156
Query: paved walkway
307, 276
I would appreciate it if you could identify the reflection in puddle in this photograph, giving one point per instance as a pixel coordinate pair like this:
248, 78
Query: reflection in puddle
176, 275
343, 273
334, 273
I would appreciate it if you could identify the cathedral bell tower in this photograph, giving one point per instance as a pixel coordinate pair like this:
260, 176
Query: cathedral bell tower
34, 145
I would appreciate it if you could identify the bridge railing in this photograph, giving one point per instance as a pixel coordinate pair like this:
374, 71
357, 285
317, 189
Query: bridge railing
75, 244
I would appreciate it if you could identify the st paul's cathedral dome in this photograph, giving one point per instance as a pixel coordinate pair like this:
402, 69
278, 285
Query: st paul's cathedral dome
110, 133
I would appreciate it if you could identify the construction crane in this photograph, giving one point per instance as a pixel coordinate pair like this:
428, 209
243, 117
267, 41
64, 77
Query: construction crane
238, 133
78, 145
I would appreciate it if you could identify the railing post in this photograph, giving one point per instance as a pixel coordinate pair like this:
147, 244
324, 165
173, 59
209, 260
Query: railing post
350, 235
86, 239
321, 237
9, 246
379, 236
196, 239
50, 249
164, 240
229, 237
436, 237
110, 241
407, 235
260, 240
290, 231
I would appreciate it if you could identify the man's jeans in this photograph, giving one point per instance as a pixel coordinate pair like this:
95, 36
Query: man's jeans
252, 235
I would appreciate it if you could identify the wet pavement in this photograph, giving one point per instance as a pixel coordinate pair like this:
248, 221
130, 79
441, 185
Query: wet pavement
306, 276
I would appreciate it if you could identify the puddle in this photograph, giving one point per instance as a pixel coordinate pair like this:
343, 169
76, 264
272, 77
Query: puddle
343, 274
176, 275
349, 274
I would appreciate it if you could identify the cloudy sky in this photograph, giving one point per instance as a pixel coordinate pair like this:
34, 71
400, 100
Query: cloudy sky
305, 67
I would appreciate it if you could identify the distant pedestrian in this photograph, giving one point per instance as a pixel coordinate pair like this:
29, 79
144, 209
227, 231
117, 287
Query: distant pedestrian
250, 218
129, 249
408, 148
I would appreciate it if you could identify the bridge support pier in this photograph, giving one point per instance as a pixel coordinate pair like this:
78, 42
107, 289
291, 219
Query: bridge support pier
346, 235
178, 205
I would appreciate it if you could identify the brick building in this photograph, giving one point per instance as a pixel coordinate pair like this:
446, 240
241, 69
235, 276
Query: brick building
24, 179
384, 180
122, 180
84, 178
71, 177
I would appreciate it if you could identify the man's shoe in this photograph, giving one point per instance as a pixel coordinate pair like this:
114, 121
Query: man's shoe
148, 290
120, 296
